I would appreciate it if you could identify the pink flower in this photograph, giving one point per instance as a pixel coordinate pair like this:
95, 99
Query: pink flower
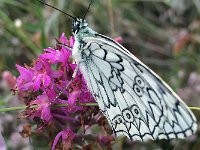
119, 39
49, 75
42, 75
55, 56
67, 137
24, 81
9, 78
43, 110
42, 82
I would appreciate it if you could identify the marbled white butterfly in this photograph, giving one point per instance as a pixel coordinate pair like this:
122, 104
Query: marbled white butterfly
136, 101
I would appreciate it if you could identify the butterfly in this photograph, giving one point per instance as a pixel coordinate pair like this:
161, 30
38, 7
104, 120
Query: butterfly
136, 101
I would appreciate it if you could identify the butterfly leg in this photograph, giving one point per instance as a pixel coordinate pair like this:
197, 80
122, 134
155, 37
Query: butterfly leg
73, 76
64, 45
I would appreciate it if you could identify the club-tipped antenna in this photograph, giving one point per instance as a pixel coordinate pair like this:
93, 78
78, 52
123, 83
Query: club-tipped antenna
87, 10
41, 1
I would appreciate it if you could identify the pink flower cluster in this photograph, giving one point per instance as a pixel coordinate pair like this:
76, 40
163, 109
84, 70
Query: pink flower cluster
41, 83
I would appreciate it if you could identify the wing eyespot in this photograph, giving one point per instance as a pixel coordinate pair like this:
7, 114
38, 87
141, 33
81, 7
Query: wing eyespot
139, 81
128, 116
118, 119
138, 90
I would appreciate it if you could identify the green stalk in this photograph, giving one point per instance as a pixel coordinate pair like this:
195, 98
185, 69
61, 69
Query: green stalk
60, 105
16, 108
194, 108
35, 106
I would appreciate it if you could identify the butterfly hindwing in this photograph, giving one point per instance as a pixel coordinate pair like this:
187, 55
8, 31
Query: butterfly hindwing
136, 102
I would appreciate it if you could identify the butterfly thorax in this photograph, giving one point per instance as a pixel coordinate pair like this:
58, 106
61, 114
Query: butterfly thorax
80, 30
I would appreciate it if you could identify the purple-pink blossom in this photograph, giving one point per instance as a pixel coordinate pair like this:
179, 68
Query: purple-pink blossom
42, 82
43, 110
67, 137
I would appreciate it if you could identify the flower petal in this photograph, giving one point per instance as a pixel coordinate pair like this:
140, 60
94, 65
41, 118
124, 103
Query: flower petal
56, 140
24, 73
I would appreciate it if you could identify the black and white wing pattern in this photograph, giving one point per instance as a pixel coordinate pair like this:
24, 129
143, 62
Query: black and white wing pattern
136, 102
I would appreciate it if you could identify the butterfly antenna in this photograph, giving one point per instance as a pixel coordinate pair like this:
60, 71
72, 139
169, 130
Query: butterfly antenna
41, 1
87, 10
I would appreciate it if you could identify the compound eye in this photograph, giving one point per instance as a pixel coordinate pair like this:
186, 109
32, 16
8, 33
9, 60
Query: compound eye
75, 28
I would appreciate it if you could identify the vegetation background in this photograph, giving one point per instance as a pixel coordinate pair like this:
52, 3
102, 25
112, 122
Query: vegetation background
164, 34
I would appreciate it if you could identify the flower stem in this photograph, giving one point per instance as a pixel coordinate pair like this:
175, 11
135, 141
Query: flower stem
35, 106
194, 108
60, 105
16, 108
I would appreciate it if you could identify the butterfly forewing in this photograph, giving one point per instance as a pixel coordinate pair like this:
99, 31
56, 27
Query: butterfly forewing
136, 102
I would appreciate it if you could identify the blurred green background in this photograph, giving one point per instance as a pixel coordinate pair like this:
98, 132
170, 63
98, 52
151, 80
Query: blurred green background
164, 34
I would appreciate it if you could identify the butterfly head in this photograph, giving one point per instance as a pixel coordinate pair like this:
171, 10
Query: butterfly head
78, 24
